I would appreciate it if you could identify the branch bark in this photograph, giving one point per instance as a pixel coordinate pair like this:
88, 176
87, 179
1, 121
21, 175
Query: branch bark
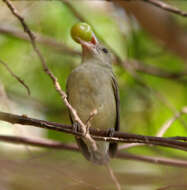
85, 133
158, 23
96, 134
42, 39
16, 77
166, 7
44, 143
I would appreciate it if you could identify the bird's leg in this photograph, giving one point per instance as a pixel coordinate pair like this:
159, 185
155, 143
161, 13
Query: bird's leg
110, 132
113, 146
76, 127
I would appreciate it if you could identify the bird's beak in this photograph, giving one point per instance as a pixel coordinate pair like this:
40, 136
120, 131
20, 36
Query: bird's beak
90, 44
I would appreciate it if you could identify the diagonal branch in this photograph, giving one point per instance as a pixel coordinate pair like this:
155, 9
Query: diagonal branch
15, 76
62, 48
162, 130
42, 39
56, 84
164, 6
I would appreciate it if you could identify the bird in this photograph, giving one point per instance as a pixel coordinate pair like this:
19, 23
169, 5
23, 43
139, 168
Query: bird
92, 86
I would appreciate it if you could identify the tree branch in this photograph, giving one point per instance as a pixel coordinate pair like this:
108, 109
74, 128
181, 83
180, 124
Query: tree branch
15, 76
56, 84
44, 40
62, 48
155, 71
99, 135
173, 186
44, 143
153, 160
166, 7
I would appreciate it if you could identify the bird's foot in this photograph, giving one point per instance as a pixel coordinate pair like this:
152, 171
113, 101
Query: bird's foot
76, 127
110, 132
113, 145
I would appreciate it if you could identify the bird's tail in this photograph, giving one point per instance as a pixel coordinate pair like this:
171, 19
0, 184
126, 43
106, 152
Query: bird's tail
100, 156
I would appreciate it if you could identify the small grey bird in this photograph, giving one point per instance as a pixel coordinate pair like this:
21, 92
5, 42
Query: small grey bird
92, 86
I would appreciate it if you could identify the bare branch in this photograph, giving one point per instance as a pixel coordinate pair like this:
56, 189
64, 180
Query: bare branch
161, 131
56, 84
173, 186
113, 177
129, 145
179, 138
140, 67
15, 76
44, 40
155, 71
44, 143
73, 10
166, 126
154, 160
159, 96
166, 7
99, 135
91, 116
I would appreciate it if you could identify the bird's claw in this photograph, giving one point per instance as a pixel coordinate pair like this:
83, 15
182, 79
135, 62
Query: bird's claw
76, 127
110, 132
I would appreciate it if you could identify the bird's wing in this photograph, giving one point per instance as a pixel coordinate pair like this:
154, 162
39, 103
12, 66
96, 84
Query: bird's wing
113, 146
82, 146
117, 99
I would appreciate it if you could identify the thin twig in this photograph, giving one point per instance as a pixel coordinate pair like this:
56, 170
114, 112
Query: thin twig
62, 48
158, 95
45, 40
168, 123
91, 116
178, 138
166, 7
56, 84
155, 71
161, 131
173, 186
44, 143
15, 76
153, 160
73, 10
129, 145
113, 177
166, 126
132, 70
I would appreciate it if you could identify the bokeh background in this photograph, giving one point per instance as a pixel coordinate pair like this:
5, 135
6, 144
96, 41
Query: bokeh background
152, 44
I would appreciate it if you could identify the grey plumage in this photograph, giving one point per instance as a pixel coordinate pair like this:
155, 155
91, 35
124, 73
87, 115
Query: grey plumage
92, 85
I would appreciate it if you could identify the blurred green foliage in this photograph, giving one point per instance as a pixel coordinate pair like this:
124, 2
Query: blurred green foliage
142, 111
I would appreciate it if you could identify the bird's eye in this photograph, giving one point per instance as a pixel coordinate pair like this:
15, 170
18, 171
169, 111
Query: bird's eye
104, 50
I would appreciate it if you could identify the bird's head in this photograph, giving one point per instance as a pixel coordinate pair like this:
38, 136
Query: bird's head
93, 50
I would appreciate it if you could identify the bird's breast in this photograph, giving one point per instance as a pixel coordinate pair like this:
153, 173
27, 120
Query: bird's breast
90, 88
